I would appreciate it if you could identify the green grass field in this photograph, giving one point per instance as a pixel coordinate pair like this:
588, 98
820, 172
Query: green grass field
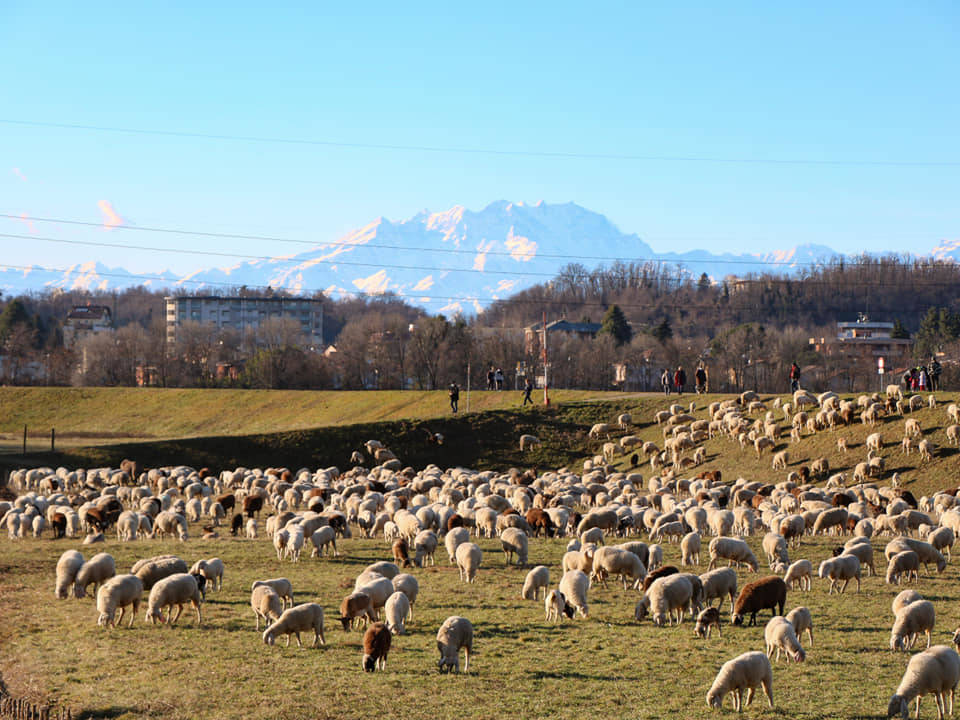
608, 665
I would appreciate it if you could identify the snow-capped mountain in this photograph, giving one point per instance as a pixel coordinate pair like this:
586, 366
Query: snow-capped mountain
448, 261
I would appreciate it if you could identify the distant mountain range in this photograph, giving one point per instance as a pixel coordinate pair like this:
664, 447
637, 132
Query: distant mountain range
448, 261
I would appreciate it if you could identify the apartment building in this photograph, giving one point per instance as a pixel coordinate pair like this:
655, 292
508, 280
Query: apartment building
245, 315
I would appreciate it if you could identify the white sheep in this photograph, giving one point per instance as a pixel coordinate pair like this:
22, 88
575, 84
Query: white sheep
96, 570
734, 550
574, 585
666, 595
454, 539
212, 570
690, 549
251, 528
780, 635
842, 567
281, 586
265, 604
903, 562
455, 633
934, 671
617, 561
396, 611
718, 584
321, 538
152, 570
745, 672
538, 578
68, 566
514, 541
469, 555
528, 441
903, 599
408, 585
178, 590
118, 592
555, 606
302, 618
911, 620
800, 571
801, 620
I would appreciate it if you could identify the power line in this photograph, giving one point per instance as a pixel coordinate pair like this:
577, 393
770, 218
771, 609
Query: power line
381, 246
853, 162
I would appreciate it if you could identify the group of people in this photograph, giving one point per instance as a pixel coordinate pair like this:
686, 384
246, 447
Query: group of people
678, 380
923, 377
494, 378
494, 382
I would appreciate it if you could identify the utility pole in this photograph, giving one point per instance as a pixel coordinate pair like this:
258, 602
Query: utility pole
543, 347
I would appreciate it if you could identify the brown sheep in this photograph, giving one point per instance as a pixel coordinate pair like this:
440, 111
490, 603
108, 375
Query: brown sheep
376, 645
538, 520
658, 573
769, 592
252, 505
454, 521
227, 501
355, 606
401, 552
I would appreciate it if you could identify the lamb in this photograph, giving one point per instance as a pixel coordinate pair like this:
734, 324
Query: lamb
469, 555
119, 592
733, 549
718, 584
934, 671
706, 620
800, 571
780, 635
911, 620
903, 562
211, 569
251, 528
455, 633
537, 579
153, 570
176, 590
514, 541
780, 460
775, 548
801, 620
265, 604
356, 605
555, 606
281, 586
616, 561
842, 567
690, 549
666, 596
68, 566
396, 611
573, 586
528, 441
769, 592
745, 672
96, 570
321, 538
308, 616
926, 449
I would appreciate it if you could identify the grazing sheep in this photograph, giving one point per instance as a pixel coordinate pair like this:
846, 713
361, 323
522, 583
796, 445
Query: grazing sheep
926, 449
800, 571
537, 579
666, 596
690, 549
308, 616
455, 633
903, 599
616, 561
745, 672
707, 619
942, 538
863, 551
469, 555
911, 620
832, 519
734, 550
769, 592
454, 539
924, 550
396, 611
178, 590
376, 646
118, 592
96, 570
514, 541
655, 557
780, 635
321, 538
903, 562
251, 528
408, 585
842, 567
153, 570
600, 429
573, 586
934, 671
780, 460
719, 584
281, 586
555, 606
354, 606
775, 547
801, 620
211, 569
68, 566
265, 604
528, 441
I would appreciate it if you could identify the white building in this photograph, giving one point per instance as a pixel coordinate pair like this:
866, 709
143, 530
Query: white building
84, 321
245, 315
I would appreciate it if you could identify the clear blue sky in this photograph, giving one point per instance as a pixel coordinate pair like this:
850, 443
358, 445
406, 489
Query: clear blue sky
860, 81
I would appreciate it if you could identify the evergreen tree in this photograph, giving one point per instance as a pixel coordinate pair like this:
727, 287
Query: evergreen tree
15, 313
703, 284
899, 332
662, 330
615, 324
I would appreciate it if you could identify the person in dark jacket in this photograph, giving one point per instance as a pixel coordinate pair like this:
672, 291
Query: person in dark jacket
794, 377
679, 379
454, 396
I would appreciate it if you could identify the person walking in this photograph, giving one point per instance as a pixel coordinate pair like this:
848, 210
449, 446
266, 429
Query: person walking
794, 377
490, 378
935, 370
923, 378
499, 378
665, 381
454, 396
679, 379
527, 389
701, 377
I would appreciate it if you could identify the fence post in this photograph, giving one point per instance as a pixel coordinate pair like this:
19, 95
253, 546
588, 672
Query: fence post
53, 436
24, 439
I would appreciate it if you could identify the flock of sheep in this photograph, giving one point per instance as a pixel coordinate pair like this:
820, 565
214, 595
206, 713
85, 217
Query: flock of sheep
600, 509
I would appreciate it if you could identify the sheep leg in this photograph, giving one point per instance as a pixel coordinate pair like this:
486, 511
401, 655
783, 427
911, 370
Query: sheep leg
173, 621
196, 606
750, 692
737, 699
767, 684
